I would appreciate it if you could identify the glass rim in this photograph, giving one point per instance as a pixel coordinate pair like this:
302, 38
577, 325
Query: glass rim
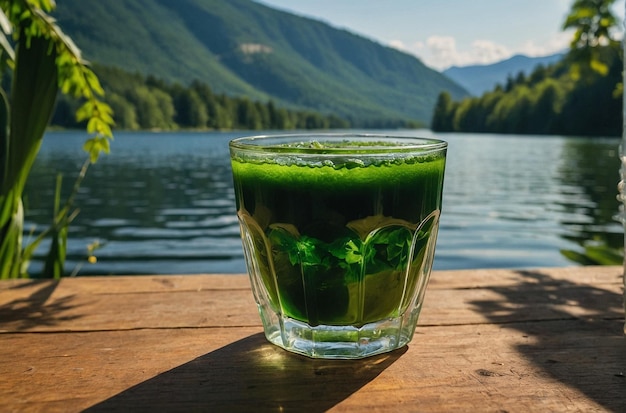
277, 143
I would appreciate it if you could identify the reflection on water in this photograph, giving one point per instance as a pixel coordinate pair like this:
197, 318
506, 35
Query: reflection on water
163, 202
516, 201
589, 172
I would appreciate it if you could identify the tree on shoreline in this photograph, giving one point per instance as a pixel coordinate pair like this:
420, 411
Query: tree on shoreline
580, 95
593, 21
145, 102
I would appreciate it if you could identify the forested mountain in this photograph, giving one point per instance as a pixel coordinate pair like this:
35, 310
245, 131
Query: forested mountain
149, 103
243, 48
478, 79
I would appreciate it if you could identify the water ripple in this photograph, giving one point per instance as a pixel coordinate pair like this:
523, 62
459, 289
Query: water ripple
164, 203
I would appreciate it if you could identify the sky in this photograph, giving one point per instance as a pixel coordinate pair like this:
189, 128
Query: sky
444, 33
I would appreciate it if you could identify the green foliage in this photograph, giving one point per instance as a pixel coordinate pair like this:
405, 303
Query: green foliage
381, 248
441, 120
552, 100
595, 253
150, 103
581, 95
45, 62
593, 21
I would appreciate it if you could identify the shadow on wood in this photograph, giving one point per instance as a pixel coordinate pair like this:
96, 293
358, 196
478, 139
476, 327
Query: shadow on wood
36, 309
251, 375
580, 343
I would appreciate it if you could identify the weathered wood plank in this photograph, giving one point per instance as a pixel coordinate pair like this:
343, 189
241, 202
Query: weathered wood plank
537, 277
466, 279
85, 304
488, 340
127, 284
550, 366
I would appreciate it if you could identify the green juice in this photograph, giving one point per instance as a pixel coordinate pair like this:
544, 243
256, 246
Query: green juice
339, 243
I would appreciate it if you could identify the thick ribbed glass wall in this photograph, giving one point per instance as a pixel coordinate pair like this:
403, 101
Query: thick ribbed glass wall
339, 234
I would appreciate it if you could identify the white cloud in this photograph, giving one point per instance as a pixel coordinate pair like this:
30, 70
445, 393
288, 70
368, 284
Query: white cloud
441, 52
399, 44
485, 51
558, 43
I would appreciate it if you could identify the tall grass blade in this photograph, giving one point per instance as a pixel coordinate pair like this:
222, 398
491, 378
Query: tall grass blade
33, 96
55, 260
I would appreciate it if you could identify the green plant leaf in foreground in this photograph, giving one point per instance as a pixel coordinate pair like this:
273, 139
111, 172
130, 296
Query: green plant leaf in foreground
46, 61
34, 86
33, 95
595, 254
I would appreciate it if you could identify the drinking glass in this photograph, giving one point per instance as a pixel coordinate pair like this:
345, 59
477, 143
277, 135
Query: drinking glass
339, 234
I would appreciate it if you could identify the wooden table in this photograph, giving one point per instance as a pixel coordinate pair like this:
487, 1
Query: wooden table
545, 340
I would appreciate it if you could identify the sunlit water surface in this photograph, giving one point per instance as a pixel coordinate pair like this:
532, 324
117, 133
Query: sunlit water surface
163, 203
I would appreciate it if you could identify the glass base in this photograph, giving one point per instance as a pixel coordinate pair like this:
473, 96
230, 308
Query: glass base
338, 342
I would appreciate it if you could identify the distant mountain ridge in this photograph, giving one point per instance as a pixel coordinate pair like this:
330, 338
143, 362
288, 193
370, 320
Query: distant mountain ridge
478, 79
240, 47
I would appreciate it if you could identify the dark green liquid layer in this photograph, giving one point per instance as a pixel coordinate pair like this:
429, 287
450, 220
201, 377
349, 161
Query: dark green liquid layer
333, 245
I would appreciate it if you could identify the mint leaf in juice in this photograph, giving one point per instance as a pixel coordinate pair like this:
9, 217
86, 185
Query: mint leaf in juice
339, 242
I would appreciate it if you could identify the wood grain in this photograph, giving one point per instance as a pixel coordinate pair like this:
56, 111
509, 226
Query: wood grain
547, 339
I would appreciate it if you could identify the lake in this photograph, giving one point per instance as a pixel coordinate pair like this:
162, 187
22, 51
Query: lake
163, 203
